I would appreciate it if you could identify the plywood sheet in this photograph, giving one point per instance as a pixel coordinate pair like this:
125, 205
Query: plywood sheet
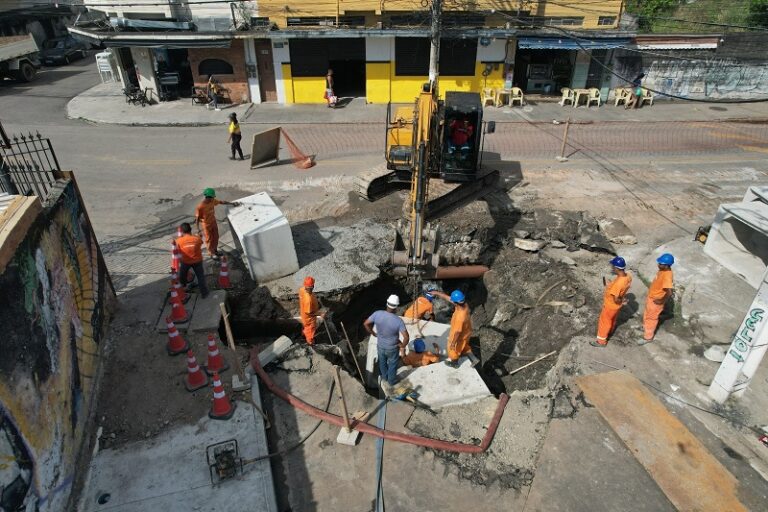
678, 462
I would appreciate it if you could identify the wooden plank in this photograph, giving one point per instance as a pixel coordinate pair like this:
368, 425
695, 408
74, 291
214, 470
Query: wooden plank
682, 467
18, 218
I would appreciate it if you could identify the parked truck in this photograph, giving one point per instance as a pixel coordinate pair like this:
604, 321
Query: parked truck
19, 58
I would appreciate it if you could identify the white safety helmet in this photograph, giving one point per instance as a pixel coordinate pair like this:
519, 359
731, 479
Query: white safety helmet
393, 301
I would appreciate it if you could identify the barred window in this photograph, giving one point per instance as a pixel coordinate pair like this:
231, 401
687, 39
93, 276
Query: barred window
606, 20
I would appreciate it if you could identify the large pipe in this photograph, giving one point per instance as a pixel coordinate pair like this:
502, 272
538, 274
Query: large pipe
365, 428
460, 272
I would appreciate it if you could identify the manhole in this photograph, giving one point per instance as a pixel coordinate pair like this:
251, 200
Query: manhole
103, 498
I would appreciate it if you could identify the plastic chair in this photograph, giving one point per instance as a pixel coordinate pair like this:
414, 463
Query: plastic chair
500, 94
517, 95
646, 97
620, 94
489, 94
568, 95
594, 96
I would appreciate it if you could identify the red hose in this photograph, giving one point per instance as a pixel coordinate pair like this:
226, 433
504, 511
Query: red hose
365, 428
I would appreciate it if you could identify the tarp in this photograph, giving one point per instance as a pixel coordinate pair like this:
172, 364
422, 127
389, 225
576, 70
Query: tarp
565, 43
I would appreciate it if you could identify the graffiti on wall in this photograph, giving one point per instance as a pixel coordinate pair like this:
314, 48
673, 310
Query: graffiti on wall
713, 78
53, 313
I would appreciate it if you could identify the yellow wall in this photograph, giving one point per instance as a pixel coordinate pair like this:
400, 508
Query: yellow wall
276, 10
382, 86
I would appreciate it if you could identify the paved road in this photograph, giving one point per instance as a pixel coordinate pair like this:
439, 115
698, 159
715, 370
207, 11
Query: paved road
134, 178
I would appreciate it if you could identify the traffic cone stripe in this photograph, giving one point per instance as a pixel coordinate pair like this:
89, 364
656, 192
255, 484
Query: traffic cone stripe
218, 394
174, 333
216, 362
196, 379
176, 344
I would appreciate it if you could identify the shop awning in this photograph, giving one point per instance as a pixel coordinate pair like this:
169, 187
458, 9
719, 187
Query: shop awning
153, 39
565, 43
677, 42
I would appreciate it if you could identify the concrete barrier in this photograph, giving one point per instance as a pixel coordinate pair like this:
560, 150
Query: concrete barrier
738, 238
264, 238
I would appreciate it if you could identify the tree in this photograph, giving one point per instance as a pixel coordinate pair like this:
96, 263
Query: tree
758, 13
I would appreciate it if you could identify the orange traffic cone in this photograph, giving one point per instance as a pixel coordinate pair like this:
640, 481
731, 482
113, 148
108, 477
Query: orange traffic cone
215, 363
176, 344
224, 281
222, 408
175, 256
196, 378
180, 293
178, 313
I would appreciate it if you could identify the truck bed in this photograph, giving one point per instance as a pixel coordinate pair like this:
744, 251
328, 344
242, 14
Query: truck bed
12, 47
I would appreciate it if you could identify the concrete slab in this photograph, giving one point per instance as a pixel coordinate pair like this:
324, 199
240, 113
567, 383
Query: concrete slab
170, 472
206, 313
162, 326
738, 239
275, 350
438, 384
567, 480
264, 237
756, 193
680, 464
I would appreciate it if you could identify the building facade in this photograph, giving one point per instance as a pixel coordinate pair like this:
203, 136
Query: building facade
269, 51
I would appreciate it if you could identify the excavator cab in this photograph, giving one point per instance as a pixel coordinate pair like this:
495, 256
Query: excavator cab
461, 136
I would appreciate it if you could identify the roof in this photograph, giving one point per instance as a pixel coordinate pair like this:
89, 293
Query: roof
462, 101
677, 42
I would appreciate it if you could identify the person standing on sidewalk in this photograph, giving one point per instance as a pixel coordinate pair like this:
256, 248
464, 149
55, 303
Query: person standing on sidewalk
329, 94
234, 136
205, 216
213, 94
388, 328
190, 247
658, 294
613, 299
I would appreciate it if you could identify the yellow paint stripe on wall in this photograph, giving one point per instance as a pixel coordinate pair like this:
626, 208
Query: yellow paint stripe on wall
287, 83
377, 82
309, 89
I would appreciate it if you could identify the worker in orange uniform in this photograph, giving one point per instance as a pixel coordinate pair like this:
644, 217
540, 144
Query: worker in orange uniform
190, 247
658, 294
419, 356
421, 308
205, 215
461, 329
309, 309
613, 299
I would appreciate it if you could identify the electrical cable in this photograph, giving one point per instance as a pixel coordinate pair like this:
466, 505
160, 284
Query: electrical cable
753, 428
576, 40
285, 451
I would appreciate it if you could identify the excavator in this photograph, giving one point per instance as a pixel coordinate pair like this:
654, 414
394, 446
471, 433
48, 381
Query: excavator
434, 139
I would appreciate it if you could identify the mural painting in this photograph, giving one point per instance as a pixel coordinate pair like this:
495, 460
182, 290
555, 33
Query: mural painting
53, 310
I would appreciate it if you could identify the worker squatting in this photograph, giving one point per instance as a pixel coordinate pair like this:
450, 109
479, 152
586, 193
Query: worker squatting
392, 337
614, 297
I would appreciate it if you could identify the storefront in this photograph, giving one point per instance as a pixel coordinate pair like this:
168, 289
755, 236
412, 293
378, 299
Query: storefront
544, 65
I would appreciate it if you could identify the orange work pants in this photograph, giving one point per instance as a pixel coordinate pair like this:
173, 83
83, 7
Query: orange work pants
651, 318
458, 349
606, 324
310, 328
211, 234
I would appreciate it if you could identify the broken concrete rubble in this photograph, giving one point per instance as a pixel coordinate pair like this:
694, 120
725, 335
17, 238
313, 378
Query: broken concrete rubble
529, 245
616, 231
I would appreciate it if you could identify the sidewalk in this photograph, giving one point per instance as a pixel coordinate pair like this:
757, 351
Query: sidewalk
105, 103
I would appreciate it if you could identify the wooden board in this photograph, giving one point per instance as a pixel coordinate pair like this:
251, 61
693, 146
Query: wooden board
680, 465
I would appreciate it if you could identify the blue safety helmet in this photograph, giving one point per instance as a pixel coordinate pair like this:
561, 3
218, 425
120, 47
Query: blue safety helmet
457, 296
618, 262
428, 289
666, 259
419, 346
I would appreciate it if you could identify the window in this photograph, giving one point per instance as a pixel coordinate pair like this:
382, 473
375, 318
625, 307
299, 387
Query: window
311, 57
215, 67
556, 21
326, 21
606, 20
457, 56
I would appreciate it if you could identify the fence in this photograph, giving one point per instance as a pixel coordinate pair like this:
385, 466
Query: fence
28, 165
520, 140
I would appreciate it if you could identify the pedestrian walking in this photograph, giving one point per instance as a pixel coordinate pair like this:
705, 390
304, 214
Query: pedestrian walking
635, 99
614, 297
309, 309
391, 339
330, 96
461, 329
658, 294
234, 136
190, 247
205, 220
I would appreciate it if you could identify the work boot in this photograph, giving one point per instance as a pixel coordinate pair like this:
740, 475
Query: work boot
386, 388
642, 341
596, 343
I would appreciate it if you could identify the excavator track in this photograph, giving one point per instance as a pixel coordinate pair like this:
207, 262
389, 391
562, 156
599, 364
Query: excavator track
379, 182
445, 200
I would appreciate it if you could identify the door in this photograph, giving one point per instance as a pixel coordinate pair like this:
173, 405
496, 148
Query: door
266, 70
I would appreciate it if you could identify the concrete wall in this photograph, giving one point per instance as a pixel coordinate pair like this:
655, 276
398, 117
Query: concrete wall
54, 310
144, 62
713, 78
237, 83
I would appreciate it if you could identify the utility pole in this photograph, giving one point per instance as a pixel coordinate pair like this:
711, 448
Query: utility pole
434, 36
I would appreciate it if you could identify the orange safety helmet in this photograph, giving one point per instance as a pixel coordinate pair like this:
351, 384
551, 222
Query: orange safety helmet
309, 282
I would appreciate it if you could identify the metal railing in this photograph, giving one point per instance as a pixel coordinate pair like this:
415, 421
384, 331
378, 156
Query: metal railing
28, 165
